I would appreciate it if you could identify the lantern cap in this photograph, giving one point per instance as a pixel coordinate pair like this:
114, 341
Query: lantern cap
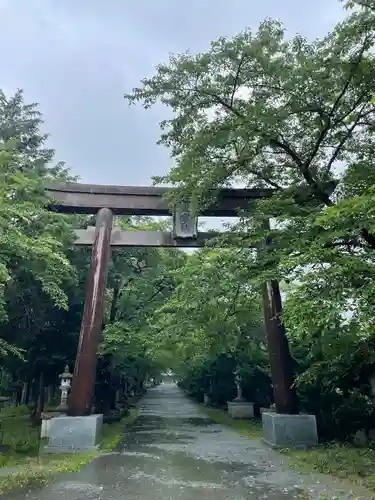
66, 373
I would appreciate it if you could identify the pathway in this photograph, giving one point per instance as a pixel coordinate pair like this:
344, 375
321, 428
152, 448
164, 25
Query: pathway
174, 452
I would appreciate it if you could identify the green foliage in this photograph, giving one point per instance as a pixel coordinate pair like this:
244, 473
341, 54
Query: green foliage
30, 236
215, 377
212, 310
343, 461
19, 433
24, 479
258, 109
145, 279
40, 297
35, 269
364, 4
212, 377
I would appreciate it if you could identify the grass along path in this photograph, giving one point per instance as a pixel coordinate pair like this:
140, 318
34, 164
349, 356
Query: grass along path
18, 470
340, 460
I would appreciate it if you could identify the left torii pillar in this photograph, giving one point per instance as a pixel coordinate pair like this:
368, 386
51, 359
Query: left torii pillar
81, 396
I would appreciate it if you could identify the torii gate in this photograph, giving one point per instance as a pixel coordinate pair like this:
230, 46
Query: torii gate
107, 201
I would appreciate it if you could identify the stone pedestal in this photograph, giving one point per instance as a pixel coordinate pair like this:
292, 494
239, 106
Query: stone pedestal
240, 409
72, 434
46, 422
206, 399
4, 401
44, 431
289, 431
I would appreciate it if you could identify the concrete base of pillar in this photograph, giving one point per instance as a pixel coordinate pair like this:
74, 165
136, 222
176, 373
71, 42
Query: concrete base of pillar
206, 399
289, 431
72, 434
44, 431
239, 409
46, 422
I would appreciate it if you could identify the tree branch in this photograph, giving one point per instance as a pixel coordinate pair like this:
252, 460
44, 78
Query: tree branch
353, 70
236, 78
341, 144
288, 149
232, 308
328, 118
246, 163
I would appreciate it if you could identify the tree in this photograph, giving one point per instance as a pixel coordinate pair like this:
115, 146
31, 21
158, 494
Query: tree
40, 298
213, 308
286, 115
32, 239
296, 117
271, 112
364, 4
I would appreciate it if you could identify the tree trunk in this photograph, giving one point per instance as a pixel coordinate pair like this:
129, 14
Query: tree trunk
49, 395
26, 392
19, 396
116, 293
40, 399
114, 390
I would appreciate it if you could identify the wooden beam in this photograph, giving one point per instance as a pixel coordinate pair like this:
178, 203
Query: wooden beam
85, 237
133, 200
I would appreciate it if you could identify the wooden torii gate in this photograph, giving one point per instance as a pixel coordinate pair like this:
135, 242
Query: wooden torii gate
107, 201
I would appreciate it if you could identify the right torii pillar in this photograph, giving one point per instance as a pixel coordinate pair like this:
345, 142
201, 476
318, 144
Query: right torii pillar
278, 349
285, 428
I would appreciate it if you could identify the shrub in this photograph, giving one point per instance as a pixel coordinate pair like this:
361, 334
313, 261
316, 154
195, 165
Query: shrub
18, 431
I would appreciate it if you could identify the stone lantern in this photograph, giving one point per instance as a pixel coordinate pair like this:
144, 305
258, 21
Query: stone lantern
239, 407
238, 382
65, 385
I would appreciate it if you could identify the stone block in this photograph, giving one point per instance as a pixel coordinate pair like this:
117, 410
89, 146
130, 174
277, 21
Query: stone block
360, 439
5, 401
240, 409
206, 399
47, 416
289, 431
71, 434
46, 424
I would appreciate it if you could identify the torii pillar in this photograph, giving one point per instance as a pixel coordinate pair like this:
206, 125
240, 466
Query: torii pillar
80, 400
285, 428
278, 349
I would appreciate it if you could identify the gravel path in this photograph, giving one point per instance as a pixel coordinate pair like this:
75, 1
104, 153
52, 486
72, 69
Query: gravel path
174, 452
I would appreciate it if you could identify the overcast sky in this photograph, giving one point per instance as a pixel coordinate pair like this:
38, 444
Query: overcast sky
78, 57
